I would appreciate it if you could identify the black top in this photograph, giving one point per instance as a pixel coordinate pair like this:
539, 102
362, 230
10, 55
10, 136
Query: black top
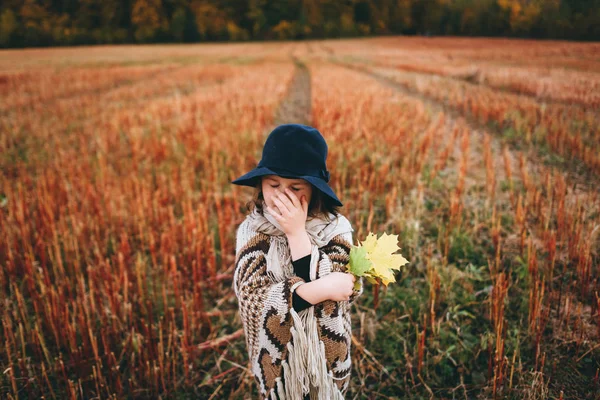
302, 269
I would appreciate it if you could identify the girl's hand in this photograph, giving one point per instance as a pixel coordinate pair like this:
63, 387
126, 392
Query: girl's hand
339, 286
292, 212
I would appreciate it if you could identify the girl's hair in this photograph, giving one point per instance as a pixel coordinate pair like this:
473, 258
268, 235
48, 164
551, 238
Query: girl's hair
320, 204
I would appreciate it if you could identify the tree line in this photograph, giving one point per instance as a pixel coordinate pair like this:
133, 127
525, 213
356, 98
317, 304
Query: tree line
25, 23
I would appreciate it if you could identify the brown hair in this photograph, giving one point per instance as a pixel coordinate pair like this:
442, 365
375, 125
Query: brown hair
320, 204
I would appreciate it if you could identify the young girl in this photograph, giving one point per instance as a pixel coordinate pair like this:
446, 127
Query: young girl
292, 252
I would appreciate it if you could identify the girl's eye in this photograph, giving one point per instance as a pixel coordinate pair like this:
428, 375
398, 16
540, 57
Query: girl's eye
276, 186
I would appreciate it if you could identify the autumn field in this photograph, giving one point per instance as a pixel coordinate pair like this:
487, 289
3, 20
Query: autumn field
118, 219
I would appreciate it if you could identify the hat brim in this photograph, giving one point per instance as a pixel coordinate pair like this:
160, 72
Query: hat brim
252, 178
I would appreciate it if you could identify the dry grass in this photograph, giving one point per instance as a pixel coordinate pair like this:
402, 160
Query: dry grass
118, 218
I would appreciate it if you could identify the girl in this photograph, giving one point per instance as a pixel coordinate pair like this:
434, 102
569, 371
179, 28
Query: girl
292, 252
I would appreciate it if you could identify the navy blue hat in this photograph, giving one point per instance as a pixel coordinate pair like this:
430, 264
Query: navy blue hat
293, 151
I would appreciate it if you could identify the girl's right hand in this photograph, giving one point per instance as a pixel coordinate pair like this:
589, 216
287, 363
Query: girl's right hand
338, 286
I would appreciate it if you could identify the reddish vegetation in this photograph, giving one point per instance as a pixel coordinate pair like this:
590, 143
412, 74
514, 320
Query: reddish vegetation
118, 220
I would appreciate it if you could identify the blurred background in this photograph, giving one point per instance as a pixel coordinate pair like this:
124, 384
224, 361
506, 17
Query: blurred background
71, 22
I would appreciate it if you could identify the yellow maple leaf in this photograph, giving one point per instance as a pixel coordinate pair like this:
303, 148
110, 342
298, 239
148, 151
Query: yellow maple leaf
370, 242
379, 252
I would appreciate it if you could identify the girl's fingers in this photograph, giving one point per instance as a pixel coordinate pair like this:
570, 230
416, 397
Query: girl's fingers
273, 213
286, 200
282, 206
293, 198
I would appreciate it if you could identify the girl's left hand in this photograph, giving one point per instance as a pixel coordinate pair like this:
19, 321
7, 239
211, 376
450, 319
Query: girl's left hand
292, 212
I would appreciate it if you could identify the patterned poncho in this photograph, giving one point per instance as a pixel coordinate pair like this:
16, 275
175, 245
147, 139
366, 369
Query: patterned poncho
293, 353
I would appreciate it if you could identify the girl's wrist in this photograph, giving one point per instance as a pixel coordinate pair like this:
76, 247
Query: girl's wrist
299, 244
296, 234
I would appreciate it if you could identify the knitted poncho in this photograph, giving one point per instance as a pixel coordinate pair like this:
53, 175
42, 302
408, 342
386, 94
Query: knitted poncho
293, 353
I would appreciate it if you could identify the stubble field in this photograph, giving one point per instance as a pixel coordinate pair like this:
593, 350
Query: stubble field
118, 221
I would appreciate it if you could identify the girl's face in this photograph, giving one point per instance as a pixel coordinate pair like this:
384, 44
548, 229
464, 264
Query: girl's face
271, 184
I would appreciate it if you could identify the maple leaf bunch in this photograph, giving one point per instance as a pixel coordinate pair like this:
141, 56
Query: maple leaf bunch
374, 258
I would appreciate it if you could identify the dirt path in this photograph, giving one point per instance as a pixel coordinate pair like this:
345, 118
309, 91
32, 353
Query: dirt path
576, 175
296, 106
580, 185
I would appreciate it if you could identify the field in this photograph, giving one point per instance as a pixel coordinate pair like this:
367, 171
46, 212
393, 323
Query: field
118, 219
